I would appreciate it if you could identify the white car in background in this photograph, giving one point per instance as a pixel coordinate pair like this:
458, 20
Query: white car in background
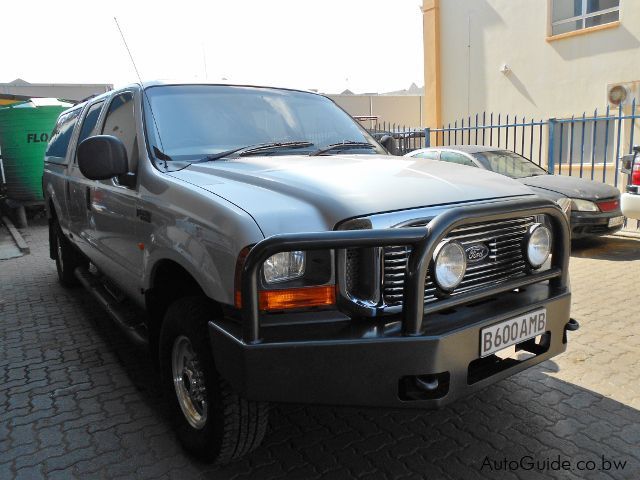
630, 201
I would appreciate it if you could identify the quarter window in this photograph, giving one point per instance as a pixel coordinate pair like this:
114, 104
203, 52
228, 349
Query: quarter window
571, 15
61, 135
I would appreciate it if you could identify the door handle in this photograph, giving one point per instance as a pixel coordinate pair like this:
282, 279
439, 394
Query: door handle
144, 215
88, 197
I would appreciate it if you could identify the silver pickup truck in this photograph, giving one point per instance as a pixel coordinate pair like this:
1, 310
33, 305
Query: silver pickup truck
266, 248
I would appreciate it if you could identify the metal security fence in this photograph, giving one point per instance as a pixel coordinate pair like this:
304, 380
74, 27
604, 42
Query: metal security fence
585, 145
523, 136
407, 138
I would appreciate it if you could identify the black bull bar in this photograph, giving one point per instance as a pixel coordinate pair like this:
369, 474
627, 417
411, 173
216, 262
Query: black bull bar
424, 241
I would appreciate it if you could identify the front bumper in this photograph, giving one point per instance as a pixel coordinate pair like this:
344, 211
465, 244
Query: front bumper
369, 363
585, 224
338, 357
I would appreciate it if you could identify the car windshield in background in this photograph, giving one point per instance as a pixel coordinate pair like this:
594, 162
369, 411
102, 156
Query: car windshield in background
509, 164
199, 120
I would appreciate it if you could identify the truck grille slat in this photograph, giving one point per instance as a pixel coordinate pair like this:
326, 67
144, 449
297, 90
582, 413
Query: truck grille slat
505, 260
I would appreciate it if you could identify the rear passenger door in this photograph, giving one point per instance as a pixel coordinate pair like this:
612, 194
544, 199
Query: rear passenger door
79, 186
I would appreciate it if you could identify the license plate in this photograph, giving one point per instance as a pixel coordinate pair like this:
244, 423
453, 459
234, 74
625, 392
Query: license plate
615, 221
512, 331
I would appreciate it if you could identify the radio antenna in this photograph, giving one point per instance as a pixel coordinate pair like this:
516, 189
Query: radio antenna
162, 155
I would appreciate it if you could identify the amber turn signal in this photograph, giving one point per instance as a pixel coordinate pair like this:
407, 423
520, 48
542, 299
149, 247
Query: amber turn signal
285, 299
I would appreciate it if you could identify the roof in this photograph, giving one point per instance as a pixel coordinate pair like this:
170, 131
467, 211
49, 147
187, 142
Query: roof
155, 83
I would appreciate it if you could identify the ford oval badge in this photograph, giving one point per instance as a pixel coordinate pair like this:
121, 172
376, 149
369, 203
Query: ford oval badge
476, 253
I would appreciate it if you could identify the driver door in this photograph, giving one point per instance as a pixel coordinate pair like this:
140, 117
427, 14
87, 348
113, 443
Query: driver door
112, 213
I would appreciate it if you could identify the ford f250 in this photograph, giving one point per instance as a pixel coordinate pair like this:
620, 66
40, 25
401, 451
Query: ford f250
265, 248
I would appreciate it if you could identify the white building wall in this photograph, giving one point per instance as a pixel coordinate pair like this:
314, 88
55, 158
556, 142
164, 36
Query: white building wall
548, 78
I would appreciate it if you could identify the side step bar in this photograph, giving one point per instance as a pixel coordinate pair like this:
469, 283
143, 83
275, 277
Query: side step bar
124, 319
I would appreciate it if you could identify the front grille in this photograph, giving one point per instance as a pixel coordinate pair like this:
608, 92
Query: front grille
505, 260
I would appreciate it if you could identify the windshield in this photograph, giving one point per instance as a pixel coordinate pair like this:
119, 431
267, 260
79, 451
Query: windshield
509, 164
200, 120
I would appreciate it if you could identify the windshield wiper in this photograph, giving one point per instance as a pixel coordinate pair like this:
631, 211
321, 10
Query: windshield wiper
347, 144
251, 149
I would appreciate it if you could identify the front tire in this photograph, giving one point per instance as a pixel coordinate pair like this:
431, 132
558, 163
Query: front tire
212, 421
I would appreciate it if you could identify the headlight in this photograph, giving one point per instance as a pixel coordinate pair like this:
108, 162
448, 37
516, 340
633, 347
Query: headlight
284, 266
583, 205
450, 264
538, 245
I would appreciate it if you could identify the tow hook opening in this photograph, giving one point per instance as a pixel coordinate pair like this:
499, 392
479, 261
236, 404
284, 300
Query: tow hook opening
424, 387
571, 326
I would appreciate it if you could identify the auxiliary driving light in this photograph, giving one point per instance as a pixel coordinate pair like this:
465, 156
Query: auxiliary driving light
450, 265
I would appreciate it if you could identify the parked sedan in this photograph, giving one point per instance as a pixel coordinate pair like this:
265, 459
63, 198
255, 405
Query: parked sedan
595, 206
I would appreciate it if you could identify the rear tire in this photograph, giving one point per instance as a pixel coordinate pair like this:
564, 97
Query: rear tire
67, 257
212, 421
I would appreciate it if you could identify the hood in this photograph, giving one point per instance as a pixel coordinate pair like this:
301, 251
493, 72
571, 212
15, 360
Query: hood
302, 193
548, 194
572, 187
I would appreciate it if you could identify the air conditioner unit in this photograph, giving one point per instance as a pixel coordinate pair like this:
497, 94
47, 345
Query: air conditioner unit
622, 94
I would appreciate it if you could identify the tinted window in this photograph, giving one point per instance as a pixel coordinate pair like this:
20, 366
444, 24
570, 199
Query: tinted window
61, 135
453, 157
120, 123
89, 121
429, 155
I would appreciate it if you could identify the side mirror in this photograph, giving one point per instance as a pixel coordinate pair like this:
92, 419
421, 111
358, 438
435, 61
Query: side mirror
390, 144
102, 157
625, 163
636, 149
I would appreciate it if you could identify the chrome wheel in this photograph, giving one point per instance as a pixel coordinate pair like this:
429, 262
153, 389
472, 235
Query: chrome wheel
188, 380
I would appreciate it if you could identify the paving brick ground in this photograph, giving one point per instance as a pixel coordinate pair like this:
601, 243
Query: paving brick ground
76, 400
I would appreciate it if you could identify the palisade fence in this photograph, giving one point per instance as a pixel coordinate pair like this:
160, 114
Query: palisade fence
587, 145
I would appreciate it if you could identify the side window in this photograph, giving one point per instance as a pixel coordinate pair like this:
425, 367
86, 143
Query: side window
429, 155
61, 135
458, 158
90, 120
120, 122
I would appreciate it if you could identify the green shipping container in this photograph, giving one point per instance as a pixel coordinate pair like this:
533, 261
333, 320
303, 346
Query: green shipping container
24, 133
